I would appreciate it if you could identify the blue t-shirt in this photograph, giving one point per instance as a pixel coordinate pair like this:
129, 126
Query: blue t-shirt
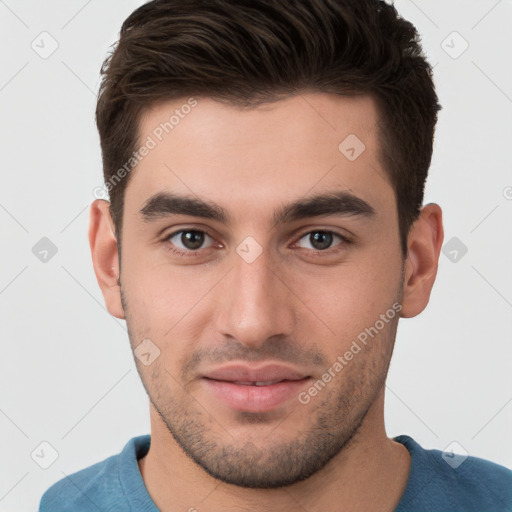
435, 484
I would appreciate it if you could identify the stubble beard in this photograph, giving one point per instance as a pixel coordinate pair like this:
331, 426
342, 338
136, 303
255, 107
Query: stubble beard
338, 417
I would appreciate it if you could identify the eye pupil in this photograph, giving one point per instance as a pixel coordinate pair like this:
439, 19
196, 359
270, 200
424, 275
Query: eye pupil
192, 239
320, 240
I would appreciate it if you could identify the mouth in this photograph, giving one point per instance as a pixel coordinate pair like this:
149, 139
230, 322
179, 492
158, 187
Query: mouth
247, 389
263, 383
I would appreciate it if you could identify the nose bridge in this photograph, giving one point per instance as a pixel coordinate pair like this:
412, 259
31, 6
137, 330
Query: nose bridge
256, 304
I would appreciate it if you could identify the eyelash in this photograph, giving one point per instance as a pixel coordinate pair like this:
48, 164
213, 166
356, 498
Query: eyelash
344, 241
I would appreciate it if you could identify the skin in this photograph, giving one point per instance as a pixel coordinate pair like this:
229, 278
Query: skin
292, 305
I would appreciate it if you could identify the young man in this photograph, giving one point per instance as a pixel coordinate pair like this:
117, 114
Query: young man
265, 163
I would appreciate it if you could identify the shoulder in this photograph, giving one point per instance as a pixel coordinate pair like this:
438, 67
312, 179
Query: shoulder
99, 486
451, 482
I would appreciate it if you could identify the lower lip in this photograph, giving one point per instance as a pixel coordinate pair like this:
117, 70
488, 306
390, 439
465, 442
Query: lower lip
255, 398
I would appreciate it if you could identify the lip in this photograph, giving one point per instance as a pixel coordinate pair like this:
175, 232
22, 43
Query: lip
244, 373
231, 385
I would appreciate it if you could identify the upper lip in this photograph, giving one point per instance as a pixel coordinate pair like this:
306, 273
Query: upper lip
244, 373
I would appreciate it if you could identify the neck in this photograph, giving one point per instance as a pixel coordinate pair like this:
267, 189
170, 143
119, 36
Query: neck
370, 473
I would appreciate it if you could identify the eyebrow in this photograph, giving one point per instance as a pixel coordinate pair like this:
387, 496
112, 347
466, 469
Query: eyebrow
341, 203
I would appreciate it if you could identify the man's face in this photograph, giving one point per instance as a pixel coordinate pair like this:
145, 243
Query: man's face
262, 293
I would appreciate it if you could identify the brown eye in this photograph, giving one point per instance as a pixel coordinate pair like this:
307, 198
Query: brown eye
319, 240
188, 239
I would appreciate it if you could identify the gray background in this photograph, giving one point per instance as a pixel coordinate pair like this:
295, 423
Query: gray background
67, 377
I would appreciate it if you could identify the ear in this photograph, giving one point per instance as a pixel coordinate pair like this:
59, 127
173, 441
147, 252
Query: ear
105, 257
424, 246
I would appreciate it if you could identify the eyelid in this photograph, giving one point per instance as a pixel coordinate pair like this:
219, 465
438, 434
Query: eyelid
342, 233
174, 230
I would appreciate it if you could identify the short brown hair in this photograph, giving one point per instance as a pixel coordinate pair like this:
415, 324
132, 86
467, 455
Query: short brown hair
250, 52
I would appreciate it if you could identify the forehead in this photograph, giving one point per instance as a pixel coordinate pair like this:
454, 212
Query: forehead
252, 158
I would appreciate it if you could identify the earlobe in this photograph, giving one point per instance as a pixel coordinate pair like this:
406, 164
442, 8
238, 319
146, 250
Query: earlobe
105, 257
424, 246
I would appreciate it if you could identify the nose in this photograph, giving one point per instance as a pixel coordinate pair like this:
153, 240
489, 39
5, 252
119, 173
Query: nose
255, 302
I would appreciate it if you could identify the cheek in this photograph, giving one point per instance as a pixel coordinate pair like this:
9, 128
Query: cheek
163, 291
166, 304
352, 297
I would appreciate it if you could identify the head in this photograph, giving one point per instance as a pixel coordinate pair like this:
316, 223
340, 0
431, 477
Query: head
273, 220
